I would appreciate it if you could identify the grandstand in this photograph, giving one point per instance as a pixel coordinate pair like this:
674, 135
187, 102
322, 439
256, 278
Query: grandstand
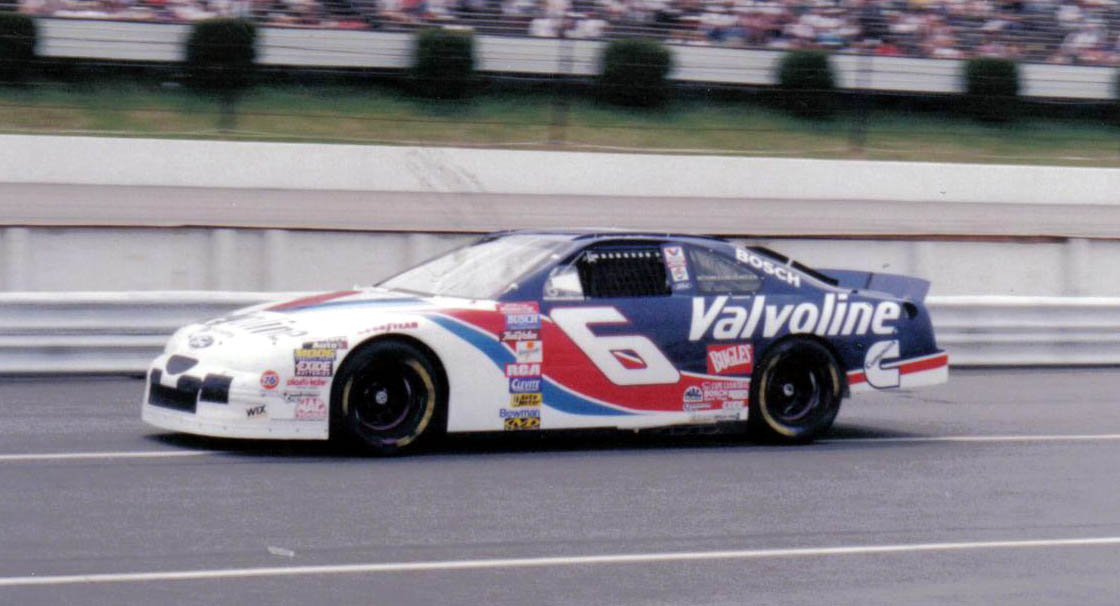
1081, 32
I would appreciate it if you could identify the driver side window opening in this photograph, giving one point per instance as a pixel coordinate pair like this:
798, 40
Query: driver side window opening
629, 270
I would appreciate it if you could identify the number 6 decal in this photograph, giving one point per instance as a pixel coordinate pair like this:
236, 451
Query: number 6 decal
624, 359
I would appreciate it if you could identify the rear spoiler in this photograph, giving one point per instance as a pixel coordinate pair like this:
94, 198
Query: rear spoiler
903, 287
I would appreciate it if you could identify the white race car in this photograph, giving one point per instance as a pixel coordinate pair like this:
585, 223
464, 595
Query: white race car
532, 331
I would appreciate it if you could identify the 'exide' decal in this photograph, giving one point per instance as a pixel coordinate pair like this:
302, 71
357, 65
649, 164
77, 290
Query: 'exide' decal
835, 317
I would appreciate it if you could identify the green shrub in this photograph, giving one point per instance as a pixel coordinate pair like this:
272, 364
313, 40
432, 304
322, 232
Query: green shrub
18, 38
991, 88
633, 72
807, 83
443, 64
221, 54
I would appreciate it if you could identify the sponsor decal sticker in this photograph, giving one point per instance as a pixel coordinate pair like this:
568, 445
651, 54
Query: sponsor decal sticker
270, 379
306, 382
517, 424
524, 385
200, 340
389, 327
678, 270
314, 368
506, 413
734, 405
873, 369
521, 335
835, 315
311, 408
260, 411
726, 390
521, 315
768, 267
694, 406
523, 400
674, 255
523, 370
528, 352
693, 394
730, 359
320, 353
332, 343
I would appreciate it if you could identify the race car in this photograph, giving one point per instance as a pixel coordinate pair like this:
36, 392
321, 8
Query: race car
532, 331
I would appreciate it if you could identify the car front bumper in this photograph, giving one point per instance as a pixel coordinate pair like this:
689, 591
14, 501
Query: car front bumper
186, 395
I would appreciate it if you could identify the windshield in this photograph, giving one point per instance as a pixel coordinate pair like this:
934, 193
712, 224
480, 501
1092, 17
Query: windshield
483, 270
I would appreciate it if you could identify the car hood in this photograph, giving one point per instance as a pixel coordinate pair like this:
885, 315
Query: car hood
277, 325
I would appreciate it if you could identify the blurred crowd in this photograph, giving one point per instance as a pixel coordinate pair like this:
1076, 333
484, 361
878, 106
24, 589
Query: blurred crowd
1085, 32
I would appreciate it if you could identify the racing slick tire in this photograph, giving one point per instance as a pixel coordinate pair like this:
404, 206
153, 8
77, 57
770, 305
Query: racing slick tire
386, 397
796, 392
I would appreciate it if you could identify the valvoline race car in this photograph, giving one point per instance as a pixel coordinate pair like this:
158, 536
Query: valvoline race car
539, 331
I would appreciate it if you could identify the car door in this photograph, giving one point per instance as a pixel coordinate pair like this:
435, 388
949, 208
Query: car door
616, 339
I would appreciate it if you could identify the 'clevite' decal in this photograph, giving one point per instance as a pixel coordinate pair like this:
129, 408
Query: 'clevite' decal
835, 317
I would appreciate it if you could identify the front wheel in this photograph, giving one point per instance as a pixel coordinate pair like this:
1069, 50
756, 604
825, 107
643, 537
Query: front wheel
386, 397
796, 392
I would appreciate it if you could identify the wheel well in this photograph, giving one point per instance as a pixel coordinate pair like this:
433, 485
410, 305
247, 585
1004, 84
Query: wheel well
441, 372
844, 391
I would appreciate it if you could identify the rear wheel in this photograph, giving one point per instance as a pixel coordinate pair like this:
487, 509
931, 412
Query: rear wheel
386, 397
796, 392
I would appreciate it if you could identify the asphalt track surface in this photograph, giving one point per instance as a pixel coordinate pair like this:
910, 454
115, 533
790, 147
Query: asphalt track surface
1001, 487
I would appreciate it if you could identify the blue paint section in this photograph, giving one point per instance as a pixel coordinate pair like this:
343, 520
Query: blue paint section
481, 341
566, 401
553, 396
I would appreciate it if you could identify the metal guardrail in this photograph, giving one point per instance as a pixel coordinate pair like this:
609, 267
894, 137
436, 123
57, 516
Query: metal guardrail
48, 332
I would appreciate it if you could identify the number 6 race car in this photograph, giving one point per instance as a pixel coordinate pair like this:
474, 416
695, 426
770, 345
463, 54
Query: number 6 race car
539, 331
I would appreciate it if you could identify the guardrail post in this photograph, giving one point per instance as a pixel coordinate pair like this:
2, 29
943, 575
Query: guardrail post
15, 258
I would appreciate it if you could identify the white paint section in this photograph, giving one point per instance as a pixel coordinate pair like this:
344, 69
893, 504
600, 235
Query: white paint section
70, 456
314, 167
544, 562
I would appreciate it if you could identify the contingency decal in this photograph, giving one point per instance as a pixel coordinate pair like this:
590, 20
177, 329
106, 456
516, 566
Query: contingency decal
521, 334
675, 263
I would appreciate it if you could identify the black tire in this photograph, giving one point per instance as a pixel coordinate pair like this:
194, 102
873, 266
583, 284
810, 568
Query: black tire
796, 392
387, 396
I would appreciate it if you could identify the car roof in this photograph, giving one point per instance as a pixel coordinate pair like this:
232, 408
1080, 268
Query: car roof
594, 234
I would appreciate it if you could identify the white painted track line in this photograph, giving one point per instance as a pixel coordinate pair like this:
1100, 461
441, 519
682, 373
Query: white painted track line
144, 454
634, 558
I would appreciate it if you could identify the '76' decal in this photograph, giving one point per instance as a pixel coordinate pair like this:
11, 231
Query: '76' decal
624, 359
